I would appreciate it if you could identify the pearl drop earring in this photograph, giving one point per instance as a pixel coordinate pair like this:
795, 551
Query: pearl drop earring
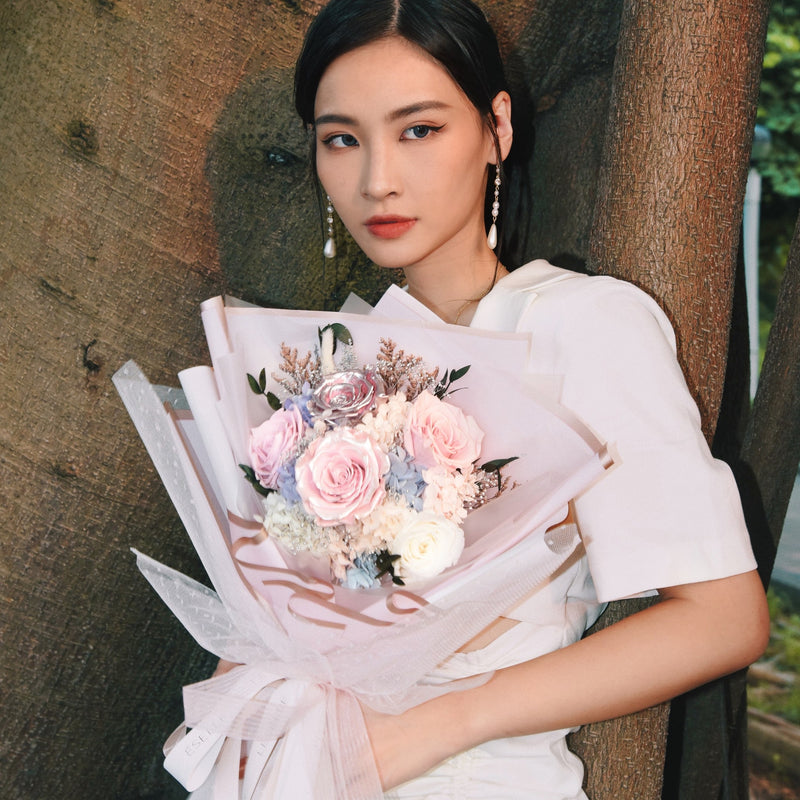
329, 251
491, 239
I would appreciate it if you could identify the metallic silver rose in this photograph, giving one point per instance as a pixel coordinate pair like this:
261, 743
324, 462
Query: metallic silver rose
346, 396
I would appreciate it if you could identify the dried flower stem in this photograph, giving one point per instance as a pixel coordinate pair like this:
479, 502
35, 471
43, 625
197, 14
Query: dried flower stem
402, 372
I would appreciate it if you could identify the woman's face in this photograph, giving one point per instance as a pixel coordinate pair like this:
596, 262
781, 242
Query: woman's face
402, 153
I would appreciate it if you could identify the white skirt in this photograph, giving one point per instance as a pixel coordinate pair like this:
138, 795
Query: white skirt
537, 767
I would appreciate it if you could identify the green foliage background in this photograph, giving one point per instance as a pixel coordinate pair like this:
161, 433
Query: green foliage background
779, 113
782, 657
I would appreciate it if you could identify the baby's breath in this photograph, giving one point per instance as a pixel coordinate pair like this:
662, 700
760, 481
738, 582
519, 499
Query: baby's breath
292, 526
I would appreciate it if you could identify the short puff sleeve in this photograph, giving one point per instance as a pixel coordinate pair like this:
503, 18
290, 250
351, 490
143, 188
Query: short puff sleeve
667, 513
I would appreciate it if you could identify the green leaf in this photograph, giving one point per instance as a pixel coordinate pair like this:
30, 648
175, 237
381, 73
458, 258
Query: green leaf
251, 478
262, 379
254, 386
497, 464
384, 561
341, 333
447, 380
274, 402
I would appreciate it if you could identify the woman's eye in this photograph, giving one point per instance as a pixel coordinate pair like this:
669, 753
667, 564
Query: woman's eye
420, 131
340, 140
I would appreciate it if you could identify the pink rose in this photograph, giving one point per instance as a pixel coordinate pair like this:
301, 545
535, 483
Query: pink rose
272, 441
340, 478
438, 433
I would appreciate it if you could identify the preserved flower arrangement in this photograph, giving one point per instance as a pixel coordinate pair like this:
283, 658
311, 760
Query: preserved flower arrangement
372, 466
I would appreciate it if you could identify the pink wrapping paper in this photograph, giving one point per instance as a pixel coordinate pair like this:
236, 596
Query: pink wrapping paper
313, 652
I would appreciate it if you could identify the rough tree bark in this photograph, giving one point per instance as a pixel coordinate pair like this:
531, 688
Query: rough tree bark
671, 189
668, 216
150, 159
107, 245
770, 452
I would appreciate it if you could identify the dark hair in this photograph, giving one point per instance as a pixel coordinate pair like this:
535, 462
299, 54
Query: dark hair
454, 32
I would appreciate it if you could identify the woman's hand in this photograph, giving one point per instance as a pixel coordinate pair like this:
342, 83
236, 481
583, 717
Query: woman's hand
409, 744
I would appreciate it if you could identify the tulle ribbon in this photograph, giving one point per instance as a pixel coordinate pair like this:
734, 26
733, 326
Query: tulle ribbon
293, 738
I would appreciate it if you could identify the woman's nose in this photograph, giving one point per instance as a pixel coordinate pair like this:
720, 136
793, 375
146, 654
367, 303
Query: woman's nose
380, 176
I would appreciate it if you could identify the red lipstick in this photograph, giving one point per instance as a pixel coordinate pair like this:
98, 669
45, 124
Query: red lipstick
389, 226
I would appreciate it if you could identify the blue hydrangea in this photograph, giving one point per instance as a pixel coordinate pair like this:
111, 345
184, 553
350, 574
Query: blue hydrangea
405, 479
287, 484
361, 575
301, 401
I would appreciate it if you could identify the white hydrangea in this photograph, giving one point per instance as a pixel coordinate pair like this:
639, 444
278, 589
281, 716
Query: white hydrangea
289, 524
388, 420
447, 493
384, 522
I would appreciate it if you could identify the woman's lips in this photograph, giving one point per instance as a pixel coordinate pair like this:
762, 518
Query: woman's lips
389, 227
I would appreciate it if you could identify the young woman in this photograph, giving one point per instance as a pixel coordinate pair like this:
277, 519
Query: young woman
411, 121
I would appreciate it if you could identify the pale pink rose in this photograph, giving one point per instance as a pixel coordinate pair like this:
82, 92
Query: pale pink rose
272, 441
438, 433
340, 478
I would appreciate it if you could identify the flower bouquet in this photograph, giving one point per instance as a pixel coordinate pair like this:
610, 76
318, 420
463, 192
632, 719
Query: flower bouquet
367, 492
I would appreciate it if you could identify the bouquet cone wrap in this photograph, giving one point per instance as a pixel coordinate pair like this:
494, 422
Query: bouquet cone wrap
312, 652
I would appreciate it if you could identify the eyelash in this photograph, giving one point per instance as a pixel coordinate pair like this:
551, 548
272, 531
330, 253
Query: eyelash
330, 141
428, 130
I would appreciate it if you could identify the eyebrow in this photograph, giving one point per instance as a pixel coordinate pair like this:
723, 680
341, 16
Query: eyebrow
416, 108
392, 116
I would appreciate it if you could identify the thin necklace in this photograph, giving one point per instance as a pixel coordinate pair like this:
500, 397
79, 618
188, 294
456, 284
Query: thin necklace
480, 296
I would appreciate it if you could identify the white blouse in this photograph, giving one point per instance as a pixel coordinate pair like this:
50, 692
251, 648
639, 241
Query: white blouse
666, 514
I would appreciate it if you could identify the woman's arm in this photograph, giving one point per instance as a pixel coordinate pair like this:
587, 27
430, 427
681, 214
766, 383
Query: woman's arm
697, 632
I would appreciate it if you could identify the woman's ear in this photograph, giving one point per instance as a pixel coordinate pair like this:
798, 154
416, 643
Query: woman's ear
501, 108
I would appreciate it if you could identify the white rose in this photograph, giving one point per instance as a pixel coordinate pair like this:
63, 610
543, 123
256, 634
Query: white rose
427, 545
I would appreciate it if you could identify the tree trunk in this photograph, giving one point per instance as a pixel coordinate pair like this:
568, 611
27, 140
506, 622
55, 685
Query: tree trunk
668, 216
671, 187
107, 246
771, 447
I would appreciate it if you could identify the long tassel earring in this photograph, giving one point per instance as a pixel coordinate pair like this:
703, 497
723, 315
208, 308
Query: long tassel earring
329, 251
491, 239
